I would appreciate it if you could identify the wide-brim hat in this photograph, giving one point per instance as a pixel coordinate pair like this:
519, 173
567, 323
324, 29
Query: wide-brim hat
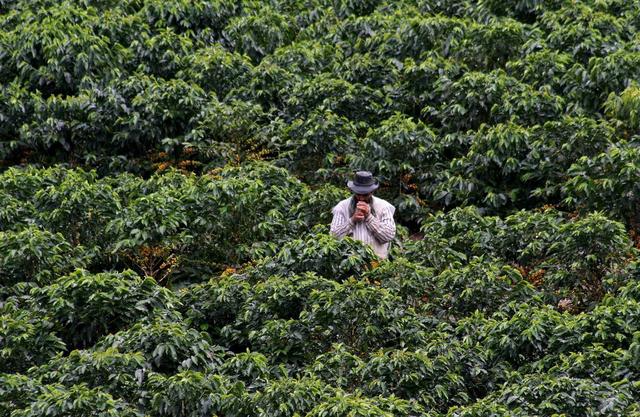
363, 183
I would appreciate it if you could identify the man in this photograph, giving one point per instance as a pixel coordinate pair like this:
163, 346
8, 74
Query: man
365, 217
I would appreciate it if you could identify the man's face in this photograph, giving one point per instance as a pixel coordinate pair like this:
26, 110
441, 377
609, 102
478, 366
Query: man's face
364, 197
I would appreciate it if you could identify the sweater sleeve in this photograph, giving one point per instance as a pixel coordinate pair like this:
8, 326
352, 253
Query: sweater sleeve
341, 226
382, 226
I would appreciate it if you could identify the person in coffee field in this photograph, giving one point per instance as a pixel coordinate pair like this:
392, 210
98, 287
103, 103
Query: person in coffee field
365, 217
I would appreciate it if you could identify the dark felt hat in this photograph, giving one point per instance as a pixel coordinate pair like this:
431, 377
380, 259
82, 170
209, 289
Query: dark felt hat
363, 183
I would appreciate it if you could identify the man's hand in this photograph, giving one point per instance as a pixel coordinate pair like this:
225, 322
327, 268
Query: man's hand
362, 211
364, 207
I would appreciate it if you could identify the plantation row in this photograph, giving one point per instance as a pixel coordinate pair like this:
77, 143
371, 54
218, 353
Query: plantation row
191, 225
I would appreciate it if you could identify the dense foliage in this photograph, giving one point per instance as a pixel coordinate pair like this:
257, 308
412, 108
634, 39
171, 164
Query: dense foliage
167, 171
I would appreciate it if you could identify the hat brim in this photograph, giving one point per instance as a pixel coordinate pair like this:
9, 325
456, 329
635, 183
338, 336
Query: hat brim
362, 189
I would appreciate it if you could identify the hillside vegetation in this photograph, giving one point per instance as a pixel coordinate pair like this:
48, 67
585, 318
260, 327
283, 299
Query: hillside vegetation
167, 171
